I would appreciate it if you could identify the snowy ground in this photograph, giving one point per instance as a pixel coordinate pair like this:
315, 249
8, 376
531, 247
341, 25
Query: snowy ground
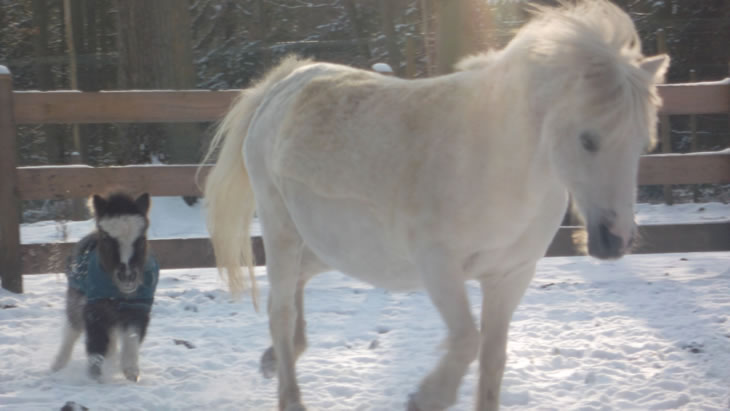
645, 332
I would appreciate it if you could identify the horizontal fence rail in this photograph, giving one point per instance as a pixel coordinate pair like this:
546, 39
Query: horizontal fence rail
45, 182
158, 106
164, 106
198, 253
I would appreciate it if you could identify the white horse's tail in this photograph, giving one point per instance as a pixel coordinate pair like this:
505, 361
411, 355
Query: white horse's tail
228, 195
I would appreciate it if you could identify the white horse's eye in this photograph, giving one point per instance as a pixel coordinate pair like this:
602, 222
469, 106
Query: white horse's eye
589, 140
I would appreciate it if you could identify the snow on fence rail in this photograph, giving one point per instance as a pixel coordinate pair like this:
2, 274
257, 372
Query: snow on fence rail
60, 182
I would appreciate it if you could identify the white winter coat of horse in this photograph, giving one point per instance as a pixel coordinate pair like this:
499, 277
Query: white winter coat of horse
430, 182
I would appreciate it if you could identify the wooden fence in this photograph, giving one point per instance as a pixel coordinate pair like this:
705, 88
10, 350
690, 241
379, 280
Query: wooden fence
60, 182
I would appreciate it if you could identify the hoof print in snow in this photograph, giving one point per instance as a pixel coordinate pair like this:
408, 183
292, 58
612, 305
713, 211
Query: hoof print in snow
373, 345
545, 286
72, 406
590, 378
8, 306
382, 330
210, 296
694, 347
191, 308
187, 344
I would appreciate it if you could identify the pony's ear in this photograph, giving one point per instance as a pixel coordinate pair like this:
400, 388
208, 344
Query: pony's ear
656, 66
99, 204
143, 203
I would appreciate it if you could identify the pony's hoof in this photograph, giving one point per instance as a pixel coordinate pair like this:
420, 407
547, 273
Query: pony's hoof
132, 374
95, 372
268, 364
57, 366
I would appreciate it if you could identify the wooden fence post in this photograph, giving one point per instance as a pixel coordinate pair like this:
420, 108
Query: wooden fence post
12, 279
665, 127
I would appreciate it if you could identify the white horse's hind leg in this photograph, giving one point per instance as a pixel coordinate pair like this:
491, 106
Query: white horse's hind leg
268, 359
498, 304
445, 287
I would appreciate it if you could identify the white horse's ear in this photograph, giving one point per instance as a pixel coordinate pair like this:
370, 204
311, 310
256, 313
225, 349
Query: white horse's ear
656, 66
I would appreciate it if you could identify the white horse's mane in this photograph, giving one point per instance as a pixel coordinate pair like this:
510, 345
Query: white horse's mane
593, 36
595, 25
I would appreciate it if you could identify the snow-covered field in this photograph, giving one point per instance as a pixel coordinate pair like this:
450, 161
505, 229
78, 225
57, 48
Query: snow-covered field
644, 332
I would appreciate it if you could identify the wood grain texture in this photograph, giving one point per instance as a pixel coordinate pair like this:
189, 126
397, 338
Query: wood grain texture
171, 254
10, 270
165, 106
694, 168
138, 106
41, 183
37, 183
198, 253
712, 97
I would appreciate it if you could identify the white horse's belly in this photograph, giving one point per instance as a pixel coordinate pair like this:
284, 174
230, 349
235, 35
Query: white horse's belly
347, 235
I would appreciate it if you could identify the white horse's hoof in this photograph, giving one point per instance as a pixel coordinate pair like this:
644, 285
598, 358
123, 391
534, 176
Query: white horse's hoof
412, 406
268, 364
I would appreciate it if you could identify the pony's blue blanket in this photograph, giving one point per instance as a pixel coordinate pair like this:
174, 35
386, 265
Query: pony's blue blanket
86, 275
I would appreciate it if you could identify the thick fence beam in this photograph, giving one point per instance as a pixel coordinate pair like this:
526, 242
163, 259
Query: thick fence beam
171, 254
709, 97
10, 269
693, 168
167, 106
137, 106
60, 182
662, 238
198, 253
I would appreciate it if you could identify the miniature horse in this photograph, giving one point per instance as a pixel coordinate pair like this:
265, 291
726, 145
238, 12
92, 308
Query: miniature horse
430, 182
111, 285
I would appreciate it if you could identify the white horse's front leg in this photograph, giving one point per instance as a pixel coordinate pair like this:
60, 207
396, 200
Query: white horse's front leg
499, 300
445, 286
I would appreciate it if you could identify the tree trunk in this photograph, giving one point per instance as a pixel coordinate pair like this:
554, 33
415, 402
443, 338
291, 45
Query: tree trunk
155, 52
456, 34
44, 78
357, 30
391, 38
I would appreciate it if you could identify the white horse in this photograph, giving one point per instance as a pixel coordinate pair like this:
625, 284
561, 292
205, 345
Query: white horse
428, 183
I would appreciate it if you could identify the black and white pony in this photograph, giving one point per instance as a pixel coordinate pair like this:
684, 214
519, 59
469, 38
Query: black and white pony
111, 285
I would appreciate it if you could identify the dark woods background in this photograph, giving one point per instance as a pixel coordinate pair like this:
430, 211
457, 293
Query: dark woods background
219, 44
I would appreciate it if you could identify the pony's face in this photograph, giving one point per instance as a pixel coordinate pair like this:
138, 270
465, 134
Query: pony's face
121, 224
596, 154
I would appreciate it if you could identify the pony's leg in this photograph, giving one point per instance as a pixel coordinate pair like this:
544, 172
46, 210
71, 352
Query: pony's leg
70, 336
73, 327
445, 287
499, 301
98, 332
130, 353
132, 334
